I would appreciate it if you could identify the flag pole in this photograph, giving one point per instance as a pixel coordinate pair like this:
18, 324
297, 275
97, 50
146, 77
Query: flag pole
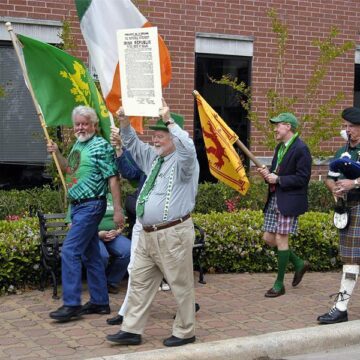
14, 40
241, 145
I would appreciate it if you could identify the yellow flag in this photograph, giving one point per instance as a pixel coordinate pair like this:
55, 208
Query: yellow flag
224, 161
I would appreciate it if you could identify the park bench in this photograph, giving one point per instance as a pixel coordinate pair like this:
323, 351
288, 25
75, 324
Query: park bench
53, 230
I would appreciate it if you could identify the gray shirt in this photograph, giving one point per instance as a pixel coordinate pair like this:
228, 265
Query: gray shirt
183, 165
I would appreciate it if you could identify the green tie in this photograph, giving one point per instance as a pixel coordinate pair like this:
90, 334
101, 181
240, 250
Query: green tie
149, 184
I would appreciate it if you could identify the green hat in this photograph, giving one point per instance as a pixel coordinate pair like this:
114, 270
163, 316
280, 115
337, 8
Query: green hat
160, 125
286, 118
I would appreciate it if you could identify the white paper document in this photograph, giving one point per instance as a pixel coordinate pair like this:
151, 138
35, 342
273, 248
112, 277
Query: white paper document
140, 74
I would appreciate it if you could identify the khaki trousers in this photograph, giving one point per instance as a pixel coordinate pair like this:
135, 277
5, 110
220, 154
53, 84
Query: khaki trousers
164, 253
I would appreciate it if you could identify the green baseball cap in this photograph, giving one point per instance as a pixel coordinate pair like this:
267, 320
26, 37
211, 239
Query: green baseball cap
286, 118
160, 125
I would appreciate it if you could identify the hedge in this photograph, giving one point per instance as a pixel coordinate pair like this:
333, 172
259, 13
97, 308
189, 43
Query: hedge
211, 197
233, 244
19, 254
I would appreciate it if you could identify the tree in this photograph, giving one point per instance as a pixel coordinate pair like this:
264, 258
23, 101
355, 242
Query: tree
316, 113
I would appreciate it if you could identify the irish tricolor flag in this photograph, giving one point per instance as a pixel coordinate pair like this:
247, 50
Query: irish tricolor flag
99, 21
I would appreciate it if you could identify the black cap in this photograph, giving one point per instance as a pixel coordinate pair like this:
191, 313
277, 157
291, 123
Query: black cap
352, 114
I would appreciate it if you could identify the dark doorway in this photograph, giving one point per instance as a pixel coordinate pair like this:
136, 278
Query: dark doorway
221, 98
357, 86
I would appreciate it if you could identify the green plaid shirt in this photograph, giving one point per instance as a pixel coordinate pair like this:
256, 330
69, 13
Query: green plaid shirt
90, 164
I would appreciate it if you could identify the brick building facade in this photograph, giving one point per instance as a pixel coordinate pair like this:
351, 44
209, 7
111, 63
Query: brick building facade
234, 34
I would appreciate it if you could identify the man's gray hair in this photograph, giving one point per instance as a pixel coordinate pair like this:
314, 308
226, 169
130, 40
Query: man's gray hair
87, 112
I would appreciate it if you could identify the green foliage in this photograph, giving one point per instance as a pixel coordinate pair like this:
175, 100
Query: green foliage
20, 202
2, 92
317, 112
220, 198
67, 37
234, 242
19, 254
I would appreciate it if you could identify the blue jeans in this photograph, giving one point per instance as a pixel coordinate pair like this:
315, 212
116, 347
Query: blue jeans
119, 250
82, 246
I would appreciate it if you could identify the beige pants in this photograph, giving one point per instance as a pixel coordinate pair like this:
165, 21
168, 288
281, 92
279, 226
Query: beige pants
164, 253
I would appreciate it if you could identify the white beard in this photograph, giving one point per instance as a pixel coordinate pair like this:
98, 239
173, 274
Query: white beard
159, 150
83, 138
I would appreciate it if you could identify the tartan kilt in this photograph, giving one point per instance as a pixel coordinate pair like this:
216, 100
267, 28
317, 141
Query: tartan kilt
349, 245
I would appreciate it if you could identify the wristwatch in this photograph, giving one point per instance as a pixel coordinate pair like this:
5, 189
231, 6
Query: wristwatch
169, 122
357, 184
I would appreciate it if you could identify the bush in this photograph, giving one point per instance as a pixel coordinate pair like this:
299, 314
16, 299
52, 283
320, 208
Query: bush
19, 254
219, 198
234, 242
22, 202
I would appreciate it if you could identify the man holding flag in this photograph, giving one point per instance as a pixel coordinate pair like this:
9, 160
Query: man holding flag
89, 169
288, 180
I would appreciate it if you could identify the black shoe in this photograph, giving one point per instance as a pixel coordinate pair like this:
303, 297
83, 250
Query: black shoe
299, 275
333, 316
116, 320
272, 293
197, 308
112, 289
90, 308
125, 338
66, 313
175, 341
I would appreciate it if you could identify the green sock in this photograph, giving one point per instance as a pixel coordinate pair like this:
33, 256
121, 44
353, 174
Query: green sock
283, 259
296, 261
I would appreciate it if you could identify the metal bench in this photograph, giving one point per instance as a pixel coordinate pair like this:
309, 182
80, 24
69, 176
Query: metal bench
53, 230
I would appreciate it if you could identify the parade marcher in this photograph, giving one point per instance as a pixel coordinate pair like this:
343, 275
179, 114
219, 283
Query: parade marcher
130, 171
288, 180
90, 171
349, 246
166, 240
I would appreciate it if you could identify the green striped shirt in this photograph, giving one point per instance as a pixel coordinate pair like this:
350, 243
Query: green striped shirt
90, 164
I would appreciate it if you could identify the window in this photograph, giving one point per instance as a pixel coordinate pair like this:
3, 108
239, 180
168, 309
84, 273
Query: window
227, 56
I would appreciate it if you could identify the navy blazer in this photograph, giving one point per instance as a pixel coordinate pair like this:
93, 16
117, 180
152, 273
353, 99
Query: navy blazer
294, 172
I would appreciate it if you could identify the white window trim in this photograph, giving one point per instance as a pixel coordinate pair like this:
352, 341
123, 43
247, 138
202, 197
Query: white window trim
44, 30
222, 44
357, 54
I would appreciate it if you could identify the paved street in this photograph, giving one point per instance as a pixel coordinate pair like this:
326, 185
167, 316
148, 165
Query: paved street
232, 305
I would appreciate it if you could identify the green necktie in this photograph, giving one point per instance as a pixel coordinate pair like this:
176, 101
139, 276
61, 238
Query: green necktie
149, 184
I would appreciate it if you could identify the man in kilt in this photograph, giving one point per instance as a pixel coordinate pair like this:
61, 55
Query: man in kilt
350, 236
288, 180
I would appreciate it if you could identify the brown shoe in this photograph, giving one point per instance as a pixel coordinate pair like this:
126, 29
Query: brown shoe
272, 293
299, 275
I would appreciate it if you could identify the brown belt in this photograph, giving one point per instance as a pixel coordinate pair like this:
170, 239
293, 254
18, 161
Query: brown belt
152, 228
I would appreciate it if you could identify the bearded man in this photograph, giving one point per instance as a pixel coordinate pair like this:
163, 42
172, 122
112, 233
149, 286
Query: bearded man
90, 169
164, 248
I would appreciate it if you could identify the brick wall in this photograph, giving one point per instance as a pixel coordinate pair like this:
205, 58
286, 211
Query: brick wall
178, 21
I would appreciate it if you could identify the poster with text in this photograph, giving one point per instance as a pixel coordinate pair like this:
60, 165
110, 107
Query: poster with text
139, 62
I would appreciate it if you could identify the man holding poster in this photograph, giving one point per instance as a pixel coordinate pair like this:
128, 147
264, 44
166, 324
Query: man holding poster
165, 244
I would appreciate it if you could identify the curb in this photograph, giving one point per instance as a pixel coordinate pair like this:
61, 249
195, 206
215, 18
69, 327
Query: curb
273, 345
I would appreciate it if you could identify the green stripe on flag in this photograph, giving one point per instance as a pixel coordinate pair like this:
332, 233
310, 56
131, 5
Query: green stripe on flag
82, 6
61, 82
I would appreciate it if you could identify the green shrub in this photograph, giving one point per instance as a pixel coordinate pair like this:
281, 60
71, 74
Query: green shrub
234, 242
21, 202
19, 253
218, 197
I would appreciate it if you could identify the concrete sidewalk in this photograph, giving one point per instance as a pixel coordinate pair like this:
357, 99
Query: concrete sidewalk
233, 308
